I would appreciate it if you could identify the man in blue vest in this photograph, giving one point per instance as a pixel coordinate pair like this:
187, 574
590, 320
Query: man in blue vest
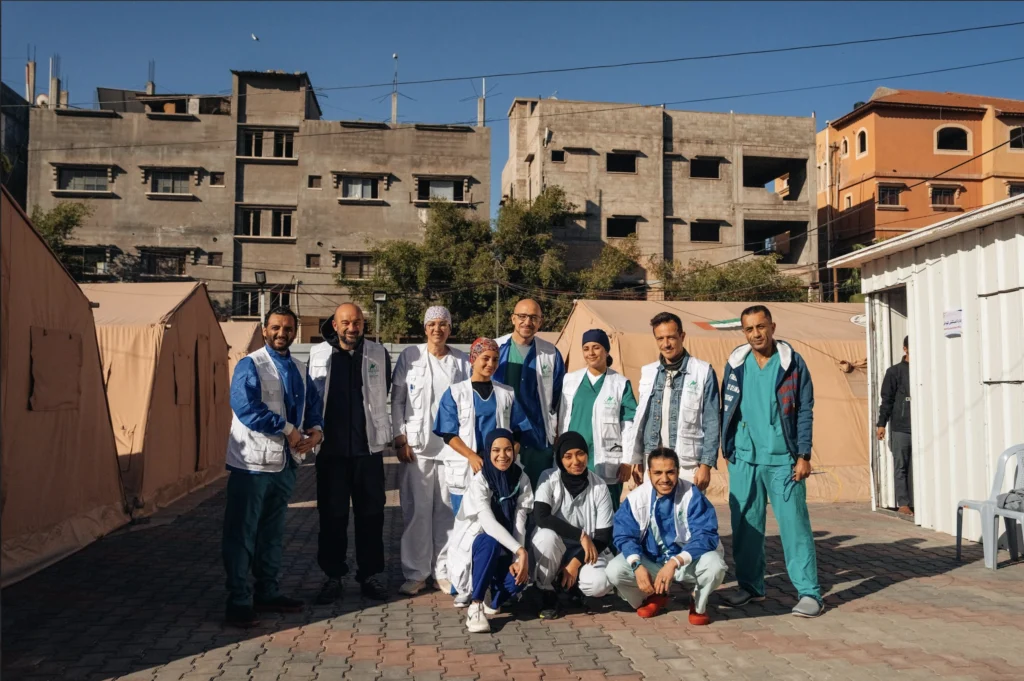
534, 369
277, 419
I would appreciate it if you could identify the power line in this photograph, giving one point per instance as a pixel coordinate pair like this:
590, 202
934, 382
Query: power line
649, 62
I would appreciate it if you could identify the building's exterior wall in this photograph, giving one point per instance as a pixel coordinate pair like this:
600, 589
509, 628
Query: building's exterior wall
321, 224
661, 193
968, 390
14, 143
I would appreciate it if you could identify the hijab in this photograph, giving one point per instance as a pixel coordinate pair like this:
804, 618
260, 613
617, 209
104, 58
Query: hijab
574, 484
504, 484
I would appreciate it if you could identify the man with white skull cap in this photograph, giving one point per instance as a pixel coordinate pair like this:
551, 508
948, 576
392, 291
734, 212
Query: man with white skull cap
422, 374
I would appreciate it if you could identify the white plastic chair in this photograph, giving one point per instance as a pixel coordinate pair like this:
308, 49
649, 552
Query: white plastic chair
991, 512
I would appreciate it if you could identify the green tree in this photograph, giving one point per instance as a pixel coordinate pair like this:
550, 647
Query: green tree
462, 259
743, 280
57, 225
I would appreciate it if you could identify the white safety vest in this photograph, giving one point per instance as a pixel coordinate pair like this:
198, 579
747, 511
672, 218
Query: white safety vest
609, 431
253, 451
375, 388
545, 363
415, 421
457, 471
690, 428
590, 511
641, 503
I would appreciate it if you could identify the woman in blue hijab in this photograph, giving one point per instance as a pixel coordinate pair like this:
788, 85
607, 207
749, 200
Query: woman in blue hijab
487, 552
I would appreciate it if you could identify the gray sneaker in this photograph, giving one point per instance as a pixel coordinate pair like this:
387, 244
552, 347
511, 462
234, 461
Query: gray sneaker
740, 597
808, 607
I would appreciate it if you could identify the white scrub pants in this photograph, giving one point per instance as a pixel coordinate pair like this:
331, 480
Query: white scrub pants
705, 574
428, 519
550, 553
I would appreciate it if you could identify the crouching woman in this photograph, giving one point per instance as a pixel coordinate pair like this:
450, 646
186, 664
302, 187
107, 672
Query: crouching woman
486, 552
667, 532
573, 515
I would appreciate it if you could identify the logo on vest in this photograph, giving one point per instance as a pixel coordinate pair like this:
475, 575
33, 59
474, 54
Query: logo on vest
545, 370
373, 370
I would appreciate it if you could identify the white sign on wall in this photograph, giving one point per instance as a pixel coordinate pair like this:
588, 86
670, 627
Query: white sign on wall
952, 323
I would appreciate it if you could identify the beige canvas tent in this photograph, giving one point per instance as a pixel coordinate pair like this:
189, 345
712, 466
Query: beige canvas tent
242, 338
165, 363
830, 337
60, 488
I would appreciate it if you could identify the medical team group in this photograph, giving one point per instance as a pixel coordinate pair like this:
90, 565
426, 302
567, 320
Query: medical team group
512, 471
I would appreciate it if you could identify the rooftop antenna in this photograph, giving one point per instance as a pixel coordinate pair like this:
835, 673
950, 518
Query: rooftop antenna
394, 92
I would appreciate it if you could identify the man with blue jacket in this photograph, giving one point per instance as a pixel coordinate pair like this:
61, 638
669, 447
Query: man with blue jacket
666, 531
767, 423
276, 420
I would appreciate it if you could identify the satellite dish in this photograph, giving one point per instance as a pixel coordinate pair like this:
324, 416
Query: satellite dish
42, 100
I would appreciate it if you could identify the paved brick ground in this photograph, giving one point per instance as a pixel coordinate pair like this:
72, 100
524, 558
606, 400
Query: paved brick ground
147, 604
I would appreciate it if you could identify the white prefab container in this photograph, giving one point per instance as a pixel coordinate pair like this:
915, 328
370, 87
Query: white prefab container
957, 289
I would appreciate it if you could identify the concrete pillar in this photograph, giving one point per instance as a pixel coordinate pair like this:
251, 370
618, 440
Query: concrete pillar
63, 99
394, 108
30, 82
481, 112
54, 94
150, 88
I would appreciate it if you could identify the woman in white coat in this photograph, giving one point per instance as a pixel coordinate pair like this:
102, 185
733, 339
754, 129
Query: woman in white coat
486, 552
573, 513
422, 375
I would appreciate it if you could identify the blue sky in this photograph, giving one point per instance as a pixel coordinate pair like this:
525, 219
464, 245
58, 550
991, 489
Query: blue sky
195, 45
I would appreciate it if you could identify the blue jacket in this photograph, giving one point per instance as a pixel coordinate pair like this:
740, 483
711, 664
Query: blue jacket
247, 397
688, 524
796, 400
536, 435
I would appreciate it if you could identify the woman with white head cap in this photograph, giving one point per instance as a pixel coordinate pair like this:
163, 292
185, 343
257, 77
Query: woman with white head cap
422, 375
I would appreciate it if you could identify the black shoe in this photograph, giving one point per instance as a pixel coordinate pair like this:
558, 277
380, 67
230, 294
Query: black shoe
241, 616
549, 605
278, 604
372, 587
329, 592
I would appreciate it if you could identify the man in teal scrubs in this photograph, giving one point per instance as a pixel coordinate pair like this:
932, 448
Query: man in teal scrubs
767, 423
534, 369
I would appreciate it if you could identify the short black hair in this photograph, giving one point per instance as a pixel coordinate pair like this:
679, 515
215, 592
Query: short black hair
906, 342
665, 318
756, 309
662, 453
281, 310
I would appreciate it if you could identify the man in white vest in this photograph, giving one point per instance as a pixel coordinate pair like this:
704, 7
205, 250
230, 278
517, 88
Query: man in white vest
679, 405
353, 377
534, 369
276, 419
422, 374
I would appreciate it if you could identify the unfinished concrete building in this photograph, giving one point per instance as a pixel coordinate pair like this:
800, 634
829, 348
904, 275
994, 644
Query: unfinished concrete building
689, 185
219, 187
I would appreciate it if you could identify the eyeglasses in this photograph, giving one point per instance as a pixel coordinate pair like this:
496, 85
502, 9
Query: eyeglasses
535, 318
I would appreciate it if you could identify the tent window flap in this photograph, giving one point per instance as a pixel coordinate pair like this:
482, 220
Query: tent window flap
183, 378
56, 358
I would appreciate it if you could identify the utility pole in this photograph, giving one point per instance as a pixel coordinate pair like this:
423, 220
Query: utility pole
497, 308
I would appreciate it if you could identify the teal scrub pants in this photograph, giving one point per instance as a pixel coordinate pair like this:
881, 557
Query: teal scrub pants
750, 487
535, 462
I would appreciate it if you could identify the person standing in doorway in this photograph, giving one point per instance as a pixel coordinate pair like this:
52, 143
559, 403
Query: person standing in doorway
598, 404
422, 375
534, 369
276, 419
894, 411
679, 407
353, 375
767, 426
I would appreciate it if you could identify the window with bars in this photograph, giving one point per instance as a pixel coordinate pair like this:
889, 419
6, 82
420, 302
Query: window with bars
249, 222
163, 264
356, 266
943, 196
246, 301
1016, 190
1017, 138
170, 182
951, 139
281, 224
451, 190
356, 188
252, 143
94, 261
82, 179
888, 196
284, 144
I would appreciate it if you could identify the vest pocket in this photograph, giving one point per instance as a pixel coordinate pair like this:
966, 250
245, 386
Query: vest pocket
611, 434
456, 475
688, 448
414, 433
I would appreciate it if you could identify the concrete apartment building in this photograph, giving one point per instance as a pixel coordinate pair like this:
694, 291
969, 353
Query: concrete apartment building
690, 185
219, 187
14, 143
868, 160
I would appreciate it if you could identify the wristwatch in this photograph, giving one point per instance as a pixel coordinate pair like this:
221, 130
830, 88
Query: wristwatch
634, 565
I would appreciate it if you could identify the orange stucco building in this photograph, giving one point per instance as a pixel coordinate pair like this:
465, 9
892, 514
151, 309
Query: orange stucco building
875, 164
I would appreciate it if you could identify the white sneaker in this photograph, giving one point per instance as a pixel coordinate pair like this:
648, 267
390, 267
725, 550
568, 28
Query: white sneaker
489, 612
476, 621
412, 587
463, 600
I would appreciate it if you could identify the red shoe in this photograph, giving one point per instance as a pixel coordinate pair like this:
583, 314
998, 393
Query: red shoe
652, 606
698, 619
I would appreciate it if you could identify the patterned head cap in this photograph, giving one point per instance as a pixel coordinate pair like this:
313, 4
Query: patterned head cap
480, 345
435, 313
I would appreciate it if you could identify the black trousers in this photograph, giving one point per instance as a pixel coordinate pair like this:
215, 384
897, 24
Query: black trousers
361, 480
902, 468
